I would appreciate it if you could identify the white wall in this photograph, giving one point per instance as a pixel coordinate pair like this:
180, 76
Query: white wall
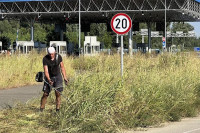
93, 47
92, 40
25, 46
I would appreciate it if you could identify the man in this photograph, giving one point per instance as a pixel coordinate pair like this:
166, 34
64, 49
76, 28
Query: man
53, 66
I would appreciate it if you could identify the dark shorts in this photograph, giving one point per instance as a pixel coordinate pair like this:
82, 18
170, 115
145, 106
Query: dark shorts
57, 84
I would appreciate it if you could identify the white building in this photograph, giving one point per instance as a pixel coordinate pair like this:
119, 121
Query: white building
91, 45
0, 46
60, 46
25, 46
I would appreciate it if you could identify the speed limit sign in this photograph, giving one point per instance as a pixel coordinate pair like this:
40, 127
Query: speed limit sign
121, 23
163, 39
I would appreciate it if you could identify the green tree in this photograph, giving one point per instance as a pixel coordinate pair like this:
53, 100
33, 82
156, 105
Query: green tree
107, 40
8, 29
40, 34
181, 41
72, 35
185, 27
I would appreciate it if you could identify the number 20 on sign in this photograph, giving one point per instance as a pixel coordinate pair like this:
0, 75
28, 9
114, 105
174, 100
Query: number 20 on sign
121, 23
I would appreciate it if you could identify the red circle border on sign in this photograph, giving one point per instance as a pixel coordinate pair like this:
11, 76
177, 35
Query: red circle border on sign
129, 19
163, 39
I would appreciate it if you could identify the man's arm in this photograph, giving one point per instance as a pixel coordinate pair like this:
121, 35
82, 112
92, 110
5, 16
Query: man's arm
63, 71
46, 73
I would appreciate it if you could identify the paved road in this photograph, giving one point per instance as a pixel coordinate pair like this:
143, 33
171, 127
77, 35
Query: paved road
187, 125
22, 94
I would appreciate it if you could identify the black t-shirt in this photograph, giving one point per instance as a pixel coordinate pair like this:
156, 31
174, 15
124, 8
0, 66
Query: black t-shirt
53, 66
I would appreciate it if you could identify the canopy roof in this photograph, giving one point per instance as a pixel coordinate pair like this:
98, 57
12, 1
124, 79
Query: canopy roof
26, 0
101, 10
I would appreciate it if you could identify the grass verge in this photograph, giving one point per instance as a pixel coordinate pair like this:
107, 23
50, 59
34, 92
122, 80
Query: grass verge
154, 89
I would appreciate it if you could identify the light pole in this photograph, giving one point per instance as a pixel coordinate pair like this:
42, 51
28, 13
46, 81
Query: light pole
165, 25
79, 47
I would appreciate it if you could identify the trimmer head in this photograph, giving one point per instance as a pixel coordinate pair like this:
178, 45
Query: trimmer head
39, 77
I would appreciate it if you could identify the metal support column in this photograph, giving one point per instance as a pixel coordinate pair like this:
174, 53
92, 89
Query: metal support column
149, 36
26, 49
23, 49
130, 42
32, 30
165, 25
117, 39
79, 44
142, 38
85, 48
61, 34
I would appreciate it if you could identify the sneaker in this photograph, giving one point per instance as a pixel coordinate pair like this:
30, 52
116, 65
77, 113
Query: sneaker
41, 109
57, 110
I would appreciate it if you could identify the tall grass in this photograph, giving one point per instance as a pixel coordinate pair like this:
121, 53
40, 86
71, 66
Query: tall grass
20, 70
154, 89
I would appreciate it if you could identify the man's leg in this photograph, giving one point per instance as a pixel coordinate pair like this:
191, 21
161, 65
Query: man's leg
59, 85
43, 100
58, 100
46, 90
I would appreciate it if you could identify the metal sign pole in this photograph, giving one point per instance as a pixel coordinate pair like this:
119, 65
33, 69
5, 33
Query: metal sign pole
122, 52
17, 34
79, 47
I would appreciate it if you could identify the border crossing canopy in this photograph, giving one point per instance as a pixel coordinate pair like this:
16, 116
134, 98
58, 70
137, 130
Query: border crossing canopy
101, 11
26, 0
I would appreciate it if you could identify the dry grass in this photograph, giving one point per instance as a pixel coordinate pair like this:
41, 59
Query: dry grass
154, 89
20, 70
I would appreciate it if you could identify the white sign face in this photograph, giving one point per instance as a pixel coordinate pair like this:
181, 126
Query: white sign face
179, 32
121, 23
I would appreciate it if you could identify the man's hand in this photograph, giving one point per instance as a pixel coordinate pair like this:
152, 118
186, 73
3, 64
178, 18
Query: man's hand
66, 81
51, 82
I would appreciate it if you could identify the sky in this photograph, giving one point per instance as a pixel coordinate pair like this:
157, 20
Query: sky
196, 26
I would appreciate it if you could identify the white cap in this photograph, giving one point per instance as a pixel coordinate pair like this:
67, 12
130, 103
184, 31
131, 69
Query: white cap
51, 50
